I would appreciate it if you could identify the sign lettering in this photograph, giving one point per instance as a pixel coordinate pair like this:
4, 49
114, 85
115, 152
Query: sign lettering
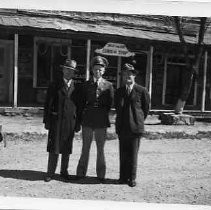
115, 49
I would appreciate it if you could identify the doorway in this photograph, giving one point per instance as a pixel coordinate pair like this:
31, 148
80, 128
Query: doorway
173, 85
6, 73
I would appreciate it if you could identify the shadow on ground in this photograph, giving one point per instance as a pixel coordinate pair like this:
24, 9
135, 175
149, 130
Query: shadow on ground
30, 175
92, 180
22, 174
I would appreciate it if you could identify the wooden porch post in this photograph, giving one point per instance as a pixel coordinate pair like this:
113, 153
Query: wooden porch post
69, 49
51, 63
15, 94
150, 65
204, 82
119, 61
35, 64
164, 81
195, 92
88, 52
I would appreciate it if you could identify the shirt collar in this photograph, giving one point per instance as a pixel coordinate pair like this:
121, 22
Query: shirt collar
67, 82
99, 80
130, 86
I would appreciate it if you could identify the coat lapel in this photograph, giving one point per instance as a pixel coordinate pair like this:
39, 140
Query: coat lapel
71, 88
67, 91
133, 92
91, 81
102, 83
63, 88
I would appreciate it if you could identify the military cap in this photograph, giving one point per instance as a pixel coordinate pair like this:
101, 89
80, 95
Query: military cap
99, 60
70, 64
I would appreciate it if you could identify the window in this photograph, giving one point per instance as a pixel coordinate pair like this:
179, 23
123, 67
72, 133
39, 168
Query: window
51, 53
174, 81
78, 53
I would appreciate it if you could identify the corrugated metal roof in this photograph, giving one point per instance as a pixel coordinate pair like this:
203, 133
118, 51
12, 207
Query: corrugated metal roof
141, 27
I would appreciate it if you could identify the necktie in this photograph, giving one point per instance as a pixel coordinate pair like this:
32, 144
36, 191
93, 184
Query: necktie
67, 86
96, 83
97, 89
128, 90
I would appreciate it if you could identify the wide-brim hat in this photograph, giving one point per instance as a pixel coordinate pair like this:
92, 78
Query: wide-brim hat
99, 60
129, 67
70, 64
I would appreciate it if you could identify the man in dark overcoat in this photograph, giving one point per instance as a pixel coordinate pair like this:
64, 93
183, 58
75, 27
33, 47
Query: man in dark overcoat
132, 106
97, 99
60, 118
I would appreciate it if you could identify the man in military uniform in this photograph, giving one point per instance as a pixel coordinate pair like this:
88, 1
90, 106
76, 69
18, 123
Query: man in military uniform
60, 118
97, 95
132, 106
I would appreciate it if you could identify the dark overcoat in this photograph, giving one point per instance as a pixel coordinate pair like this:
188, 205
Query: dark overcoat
60, 116
131, 110
92, 115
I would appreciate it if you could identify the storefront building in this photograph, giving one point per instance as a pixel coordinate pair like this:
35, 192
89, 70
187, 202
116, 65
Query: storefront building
34, 44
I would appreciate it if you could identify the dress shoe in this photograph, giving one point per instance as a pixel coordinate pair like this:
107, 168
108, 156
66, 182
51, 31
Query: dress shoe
122, 181
79, 177
65, 176
47, 178
132, 183
101, 180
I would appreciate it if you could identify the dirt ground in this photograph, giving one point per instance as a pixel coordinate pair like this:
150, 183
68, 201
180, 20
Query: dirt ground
169, 171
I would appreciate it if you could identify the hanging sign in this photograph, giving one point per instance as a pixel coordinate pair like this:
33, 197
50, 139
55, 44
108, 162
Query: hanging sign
115, 49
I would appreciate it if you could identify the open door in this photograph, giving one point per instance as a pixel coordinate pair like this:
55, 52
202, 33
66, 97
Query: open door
6, 73
173, 84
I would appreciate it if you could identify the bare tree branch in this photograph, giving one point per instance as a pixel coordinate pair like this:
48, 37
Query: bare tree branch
177, 21
200, 48
192, 65
202, 30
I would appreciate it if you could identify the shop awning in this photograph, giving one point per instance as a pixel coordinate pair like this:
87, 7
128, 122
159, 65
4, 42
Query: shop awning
151, 28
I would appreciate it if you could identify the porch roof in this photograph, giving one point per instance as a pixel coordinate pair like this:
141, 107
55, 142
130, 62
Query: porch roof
153, 28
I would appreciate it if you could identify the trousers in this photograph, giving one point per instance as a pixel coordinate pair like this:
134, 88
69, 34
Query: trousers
52, 163
128, 155
87, 137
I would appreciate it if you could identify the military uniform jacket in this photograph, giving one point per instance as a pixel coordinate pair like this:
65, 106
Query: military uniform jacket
95, 110
131, 110
60, 116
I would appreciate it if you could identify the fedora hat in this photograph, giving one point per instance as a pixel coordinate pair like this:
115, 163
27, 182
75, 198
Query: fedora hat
70, 64
129, 67
99, 60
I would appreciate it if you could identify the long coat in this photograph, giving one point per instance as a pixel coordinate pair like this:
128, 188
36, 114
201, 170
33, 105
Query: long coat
92, 115
131, 110
60, 116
